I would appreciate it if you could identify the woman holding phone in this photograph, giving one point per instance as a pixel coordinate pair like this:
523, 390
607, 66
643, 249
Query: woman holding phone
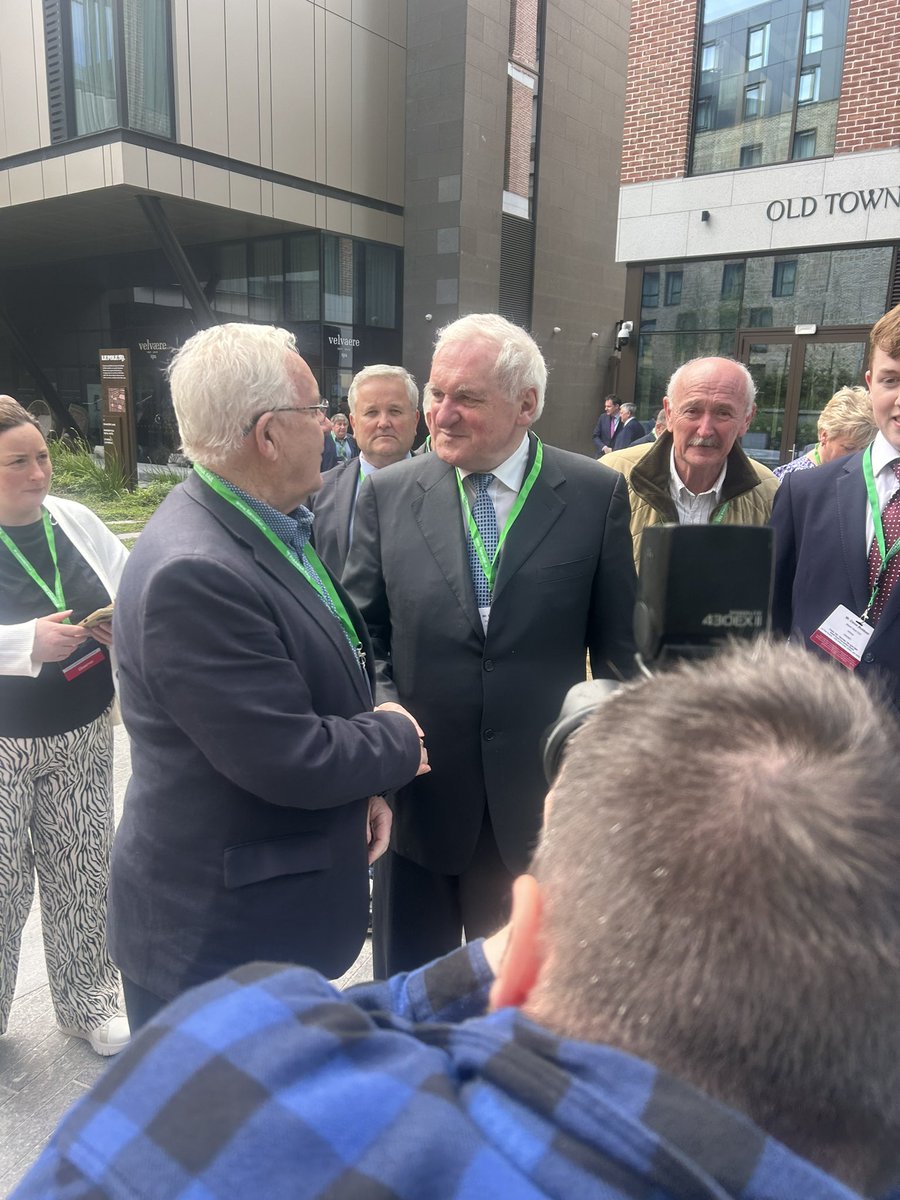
58, 565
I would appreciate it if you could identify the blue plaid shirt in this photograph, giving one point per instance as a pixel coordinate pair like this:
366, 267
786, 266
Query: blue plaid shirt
270, 1083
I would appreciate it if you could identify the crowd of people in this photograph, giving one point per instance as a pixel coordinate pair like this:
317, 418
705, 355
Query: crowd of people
319, 673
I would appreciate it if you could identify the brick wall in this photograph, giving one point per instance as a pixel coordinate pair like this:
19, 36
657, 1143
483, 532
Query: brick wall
869, 112
658, 92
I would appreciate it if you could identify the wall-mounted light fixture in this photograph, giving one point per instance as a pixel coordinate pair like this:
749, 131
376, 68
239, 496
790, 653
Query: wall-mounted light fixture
557, 329
704, 216
594, 336
428, 316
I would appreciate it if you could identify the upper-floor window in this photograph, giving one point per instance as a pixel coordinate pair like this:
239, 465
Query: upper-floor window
758, 47
784, 278
814, 33
732, 281
650, 290
109, 66
804, 144
778, 73
674, 283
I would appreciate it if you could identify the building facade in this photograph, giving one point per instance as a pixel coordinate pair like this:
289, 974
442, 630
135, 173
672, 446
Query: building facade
359, 171
759, 212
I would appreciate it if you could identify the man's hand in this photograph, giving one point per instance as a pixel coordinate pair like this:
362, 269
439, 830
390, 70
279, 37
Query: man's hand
390, 706
102, 633
54, 641
378, 828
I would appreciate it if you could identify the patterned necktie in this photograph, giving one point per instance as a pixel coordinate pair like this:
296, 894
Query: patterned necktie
486, 520
890, 520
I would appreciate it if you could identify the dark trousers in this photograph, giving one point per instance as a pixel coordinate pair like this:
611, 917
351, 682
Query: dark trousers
418, 915
140, 1004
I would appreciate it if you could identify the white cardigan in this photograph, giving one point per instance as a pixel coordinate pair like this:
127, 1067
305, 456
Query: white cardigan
101, 550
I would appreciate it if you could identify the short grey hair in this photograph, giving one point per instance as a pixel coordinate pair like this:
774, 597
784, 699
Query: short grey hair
849, 415
221, 379
677, 378
384, 371
726, 904
628, 407
519, 365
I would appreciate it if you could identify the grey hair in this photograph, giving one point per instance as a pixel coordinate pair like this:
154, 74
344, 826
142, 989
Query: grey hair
726, 904
519, 365
384, 371
628, 407
677, 378
221, 379
848, 415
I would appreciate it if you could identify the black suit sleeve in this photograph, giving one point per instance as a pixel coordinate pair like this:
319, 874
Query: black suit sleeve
364, 580
782, 523
611, 619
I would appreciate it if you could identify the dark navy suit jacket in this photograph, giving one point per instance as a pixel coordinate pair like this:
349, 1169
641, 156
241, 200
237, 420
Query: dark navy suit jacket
333, 505
819, 518
254, 751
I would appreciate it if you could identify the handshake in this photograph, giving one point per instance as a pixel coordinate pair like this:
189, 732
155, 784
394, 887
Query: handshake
390, 706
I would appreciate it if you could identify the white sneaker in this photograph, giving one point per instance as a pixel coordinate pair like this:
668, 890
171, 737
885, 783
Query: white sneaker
107, 1039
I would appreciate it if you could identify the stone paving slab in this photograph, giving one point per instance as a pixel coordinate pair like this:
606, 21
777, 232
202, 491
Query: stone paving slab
43, 1072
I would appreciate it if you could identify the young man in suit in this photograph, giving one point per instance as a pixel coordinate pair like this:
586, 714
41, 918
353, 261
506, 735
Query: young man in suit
607, 426
384, 412
835, 528
484, 571
257, 762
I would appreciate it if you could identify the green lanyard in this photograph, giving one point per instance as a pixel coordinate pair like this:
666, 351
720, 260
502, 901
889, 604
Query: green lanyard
875, 510
719, 515
489, 566
322, 584
817, 457
56, 594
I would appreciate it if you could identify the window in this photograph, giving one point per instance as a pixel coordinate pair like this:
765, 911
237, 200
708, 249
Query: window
674, 281
650, 290
732, 280
381, 286
754, 101
758, 47
109, 66
709, 56
808, 88
751, 156
703, 119
339, 279
804, 144
784, 279
813, 39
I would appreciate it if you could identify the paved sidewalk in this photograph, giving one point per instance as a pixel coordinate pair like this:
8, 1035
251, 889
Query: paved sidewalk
42, 1072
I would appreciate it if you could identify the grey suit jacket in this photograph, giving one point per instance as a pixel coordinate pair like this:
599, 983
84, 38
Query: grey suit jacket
333, 505
819, 518
254, 750
565, 585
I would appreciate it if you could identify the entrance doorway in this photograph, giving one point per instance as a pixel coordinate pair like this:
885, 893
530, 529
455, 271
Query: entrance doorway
795, 377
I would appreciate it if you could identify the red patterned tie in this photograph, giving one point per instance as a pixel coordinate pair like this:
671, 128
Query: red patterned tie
890, 520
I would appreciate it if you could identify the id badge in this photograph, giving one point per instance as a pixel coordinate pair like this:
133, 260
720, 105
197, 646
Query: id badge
485, 614
88, 655
844, 636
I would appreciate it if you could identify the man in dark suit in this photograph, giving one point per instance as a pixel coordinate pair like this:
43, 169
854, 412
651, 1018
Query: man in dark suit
630, 429
834, 530
605, 429
256, 757
384, 412
484, 571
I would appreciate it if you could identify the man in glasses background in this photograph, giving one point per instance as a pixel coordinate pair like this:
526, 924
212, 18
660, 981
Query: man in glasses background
258, 761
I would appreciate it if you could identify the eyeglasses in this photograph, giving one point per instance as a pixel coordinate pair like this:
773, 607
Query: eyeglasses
322, 407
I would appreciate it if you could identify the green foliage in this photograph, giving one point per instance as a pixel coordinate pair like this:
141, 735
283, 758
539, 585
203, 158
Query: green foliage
101, 486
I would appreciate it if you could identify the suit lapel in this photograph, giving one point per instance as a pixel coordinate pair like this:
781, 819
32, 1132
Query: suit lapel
438, 514
851, 503
345, 502
278, 567
539, 514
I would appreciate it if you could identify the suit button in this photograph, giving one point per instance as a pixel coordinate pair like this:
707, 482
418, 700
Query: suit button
868, 656
488, 735
488, 664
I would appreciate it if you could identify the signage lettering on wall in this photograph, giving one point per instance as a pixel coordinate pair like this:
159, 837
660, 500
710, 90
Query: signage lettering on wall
833, 203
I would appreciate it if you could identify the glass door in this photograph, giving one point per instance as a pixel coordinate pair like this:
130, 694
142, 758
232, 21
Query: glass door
795, 377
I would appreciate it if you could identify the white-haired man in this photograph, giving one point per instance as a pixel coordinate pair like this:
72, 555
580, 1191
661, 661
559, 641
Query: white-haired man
696, 472
384, 415
256, 755
484, 571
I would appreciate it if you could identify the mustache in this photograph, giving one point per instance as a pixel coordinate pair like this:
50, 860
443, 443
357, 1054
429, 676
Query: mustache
711, 442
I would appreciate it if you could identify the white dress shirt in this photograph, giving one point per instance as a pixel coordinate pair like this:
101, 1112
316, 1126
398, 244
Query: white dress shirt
694, 509
883, 454
506, 484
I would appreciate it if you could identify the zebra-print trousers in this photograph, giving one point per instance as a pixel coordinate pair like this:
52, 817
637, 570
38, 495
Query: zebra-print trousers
56, 817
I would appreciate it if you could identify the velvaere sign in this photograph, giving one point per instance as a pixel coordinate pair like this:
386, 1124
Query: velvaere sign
833, 203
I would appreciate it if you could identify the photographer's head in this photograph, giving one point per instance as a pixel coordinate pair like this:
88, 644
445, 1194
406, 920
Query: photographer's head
725, 902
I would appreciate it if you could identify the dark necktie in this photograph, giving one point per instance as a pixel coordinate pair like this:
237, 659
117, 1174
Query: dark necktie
486, 520
890, 520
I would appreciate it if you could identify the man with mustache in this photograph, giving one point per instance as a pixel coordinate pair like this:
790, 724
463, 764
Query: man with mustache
696, 472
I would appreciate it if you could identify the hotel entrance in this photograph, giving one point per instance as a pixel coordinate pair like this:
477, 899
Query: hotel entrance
796, 374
